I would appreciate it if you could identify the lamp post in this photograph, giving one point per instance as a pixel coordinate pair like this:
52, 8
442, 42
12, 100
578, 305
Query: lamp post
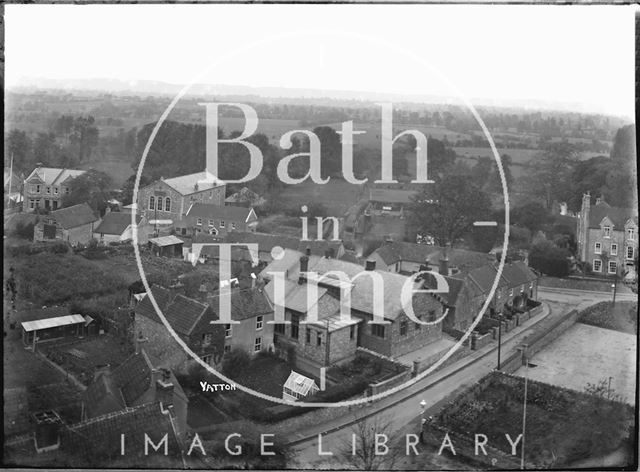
423, 405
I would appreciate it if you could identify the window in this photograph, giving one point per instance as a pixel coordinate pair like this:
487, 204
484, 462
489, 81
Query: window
629, 252
259, 320
352, 331
432, 315
631, 234
227, 348
206, 339
598, 248
227, 330
38, 188
614, 249
55, 190
49, 190
377, 330
32, 204
403, 328
222, 224
199, 222
597, 265
210, 223
152, 202
67, 190
207, 359
278, 328
308, 336
159, 203
613, 267
257, 346
295, 326
319, 339
167, 204
607, 231
511, 292
32, 188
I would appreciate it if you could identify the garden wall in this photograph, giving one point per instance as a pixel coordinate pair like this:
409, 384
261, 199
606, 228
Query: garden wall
394, 381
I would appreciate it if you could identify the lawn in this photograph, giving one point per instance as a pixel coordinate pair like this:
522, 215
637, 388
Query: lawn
561, 426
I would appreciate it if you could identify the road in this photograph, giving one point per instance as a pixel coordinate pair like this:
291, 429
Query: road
403, 415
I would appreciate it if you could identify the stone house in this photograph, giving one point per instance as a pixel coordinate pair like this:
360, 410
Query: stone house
139, 380
190, 319
469, 291
251, 313
166, 201
116, 227
216, 220
331, 340
607, 238
45, 187
75, 224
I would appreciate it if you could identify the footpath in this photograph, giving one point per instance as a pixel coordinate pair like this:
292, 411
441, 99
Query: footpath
509, 343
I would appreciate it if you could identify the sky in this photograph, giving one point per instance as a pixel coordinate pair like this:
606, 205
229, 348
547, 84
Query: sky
582, 55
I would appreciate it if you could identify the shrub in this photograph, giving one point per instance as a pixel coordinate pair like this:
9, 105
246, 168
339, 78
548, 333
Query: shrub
235, 363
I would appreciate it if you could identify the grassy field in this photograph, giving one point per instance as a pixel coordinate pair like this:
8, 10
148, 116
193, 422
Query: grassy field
336, 195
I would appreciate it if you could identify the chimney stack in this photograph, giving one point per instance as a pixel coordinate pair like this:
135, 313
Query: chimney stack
163, 386
253, 280
370, 265
100, 370
304, 266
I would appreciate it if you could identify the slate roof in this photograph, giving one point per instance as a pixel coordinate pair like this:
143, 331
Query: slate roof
386, 195
245, 304
363, 294
101, 435
74, 216
53, 175
182, 313
617, 215
186, 184
230, 213
115, 222
125, 386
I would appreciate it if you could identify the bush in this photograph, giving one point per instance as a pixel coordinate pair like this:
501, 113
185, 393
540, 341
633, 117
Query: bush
549, 259
235, 363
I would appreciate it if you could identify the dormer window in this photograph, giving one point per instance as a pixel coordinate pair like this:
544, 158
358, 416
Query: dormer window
631, 234
607, 231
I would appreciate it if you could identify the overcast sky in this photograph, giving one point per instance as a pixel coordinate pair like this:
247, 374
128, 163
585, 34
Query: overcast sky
582, 55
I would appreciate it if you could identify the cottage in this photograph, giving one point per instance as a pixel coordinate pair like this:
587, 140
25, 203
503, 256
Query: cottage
216, 220
251, 314
139, 380
46, 186
408, 258
116, 227
191, 319
74, 224
608, 238
331, 339
166, 201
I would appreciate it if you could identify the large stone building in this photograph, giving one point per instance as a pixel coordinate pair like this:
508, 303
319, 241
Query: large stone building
331, 340
166, 201
607, 238
75, 224
46, 186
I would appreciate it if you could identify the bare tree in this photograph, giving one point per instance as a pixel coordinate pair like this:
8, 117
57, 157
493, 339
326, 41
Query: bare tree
371, 446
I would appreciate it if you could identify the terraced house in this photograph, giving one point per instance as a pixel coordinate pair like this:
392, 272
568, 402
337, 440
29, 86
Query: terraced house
46, 186
216, 220
608, 238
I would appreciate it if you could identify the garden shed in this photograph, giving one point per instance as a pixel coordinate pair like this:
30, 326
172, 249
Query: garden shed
298, 386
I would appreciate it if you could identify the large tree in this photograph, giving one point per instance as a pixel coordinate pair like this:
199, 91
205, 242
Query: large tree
549, 172
447, 209
92, 187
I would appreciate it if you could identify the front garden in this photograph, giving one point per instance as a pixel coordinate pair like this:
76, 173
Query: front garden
623, 316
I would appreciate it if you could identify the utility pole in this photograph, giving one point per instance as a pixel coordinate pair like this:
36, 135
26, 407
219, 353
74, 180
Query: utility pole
524, 407
499, 338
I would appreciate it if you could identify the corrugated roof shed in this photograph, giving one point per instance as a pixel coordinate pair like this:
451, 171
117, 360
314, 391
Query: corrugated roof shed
47, 323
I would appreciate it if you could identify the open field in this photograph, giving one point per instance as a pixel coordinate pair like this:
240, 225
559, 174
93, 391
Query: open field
587, 354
